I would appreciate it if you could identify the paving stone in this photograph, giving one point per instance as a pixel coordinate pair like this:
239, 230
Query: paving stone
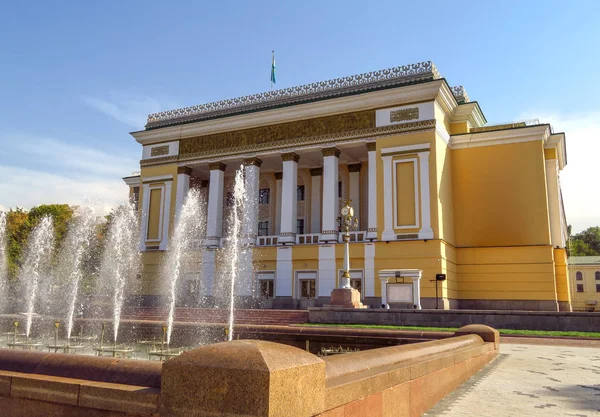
521, 383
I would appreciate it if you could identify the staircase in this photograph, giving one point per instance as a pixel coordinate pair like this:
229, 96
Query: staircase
217, 315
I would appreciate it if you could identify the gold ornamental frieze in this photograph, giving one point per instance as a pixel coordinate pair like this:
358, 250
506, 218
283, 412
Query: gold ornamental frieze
267, 135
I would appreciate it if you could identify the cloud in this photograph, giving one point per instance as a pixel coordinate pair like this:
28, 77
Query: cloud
579, 178
132, 110
39, 170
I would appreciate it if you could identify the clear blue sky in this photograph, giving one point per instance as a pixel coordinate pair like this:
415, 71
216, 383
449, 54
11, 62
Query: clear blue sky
76, 77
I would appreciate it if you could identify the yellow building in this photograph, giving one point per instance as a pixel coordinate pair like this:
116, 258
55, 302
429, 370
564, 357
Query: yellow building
436, 190
585, 280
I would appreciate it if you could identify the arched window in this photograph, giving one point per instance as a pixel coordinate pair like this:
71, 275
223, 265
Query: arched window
579, 276
597, 274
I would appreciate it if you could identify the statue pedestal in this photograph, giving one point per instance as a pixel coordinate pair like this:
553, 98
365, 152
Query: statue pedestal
345, 298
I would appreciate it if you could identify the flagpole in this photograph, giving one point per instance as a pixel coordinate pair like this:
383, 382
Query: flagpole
272, 59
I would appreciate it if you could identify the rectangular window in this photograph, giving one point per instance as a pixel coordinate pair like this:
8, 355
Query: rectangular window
135, 197
339, 189
266, 288
263, 195
579, 287
263, 228
307, 288
300, 226
300, 193
597, 287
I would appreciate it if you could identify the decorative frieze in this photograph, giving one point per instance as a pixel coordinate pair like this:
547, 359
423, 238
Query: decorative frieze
290, 156
371, 146
159, 150
402, 115
353, 84
331, 152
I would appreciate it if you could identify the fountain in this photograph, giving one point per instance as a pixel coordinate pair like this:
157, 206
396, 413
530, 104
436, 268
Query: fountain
77, 243
120, 259
189, 226
36, 265
233, 243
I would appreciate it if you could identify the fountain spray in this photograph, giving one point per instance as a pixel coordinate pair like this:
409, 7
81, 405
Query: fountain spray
120, 259
78, 241
37, 261
233, 247
189, 227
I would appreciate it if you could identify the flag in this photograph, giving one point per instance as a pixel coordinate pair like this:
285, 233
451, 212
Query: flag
273, 69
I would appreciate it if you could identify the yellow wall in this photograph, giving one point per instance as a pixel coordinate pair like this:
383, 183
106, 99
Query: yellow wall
154, 214
563, 291
500, 195
444, 200
508, 273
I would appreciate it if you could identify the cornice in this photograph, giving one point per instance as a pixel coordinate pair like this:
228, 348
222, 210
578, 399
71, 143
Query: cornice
133, 181
370, 100
500, 137
470, 113
558, 141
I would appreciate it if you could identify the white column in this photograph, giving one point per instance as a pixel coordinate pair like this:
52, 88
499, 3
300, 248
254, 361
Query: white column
328, 272
554, 203
426, 231
278, 178
417, 290
372, 181
329, 232
384, 281
183, 186
144, 219
369, 270
315, 199
388, 204
208, 272
354, 170
284, 272
214, 218
287, 234
164, 243
251, 177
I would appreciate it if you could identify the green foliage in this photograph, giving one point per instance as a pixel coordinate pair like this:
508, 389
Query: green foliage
20, 223
586, 243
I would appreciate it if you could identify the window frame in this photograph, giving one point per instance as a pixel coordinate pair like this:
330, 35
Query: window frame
300, 192
578, 287
262, 192
264, 223
578, 276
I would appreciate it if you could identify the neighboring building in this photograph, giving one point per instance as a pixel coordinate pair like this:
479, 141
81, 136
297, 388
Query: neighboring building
585, 282
434, 187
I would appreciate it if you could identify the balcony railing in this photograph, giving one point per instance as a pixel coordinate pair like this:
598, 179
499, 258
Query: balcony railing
308, 239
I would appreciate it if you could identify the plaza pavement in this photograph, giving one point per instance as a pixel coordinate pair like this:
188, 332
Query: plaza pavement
531, 378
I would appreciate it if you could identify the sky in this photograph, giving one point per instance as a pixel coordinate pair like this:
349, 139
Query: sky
76, 77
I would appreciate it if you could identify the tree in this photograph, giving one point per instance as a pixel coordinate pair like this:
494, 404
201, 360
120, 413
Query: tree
586, 243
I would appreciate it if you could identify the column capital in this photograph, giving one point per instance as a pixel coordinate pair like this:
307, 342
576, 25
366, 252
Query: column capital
354, 167
371, 146
253, 161
278, 176
184, 170
316, 172
290, 156
331, 152
213, 166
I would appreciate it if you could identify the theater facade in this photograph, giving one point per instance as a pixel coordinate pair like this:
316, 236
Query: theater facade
436, 189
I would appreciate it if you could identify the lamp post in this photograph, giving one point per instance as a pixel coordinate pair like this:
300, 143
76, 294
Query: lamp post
348, 222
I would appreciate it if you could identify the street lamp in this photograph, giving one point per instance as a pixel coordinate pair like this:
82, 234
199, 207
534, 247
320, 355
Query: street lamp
348, 222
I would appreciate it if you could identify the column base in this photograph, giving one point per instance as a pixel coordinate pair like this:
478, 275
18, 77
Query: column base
329, 237
287, 239
345, 298
371, 235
